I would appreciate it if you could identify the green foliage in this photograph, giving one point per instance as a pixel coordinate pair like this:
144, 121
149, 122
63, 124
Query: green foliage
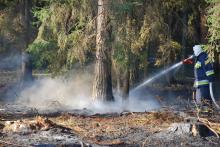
168, 52
6, 3
119, 54
11, 26
140, 28
213, 22
70, 25
42, 54
173, 5
138, 24
41, 14
123, 7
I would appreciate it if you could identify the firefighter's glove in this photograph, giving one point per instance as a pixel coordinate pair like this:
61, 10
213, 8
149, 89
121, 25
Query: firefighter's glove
187, 61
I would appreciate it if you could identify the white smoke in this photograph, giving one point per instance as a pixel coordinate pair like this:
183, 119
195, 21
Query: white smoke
75, 92
12, 61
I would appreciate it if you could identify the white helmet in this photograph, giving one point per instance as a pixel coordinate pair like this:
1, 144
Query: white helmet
197, 50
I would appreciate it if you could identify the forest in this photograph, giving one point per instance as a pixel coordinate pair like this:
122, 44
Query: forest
109, 72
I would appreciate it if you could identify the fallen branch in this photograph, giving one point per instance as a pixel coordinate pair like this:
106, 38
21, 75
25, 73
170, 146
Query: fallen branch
208, 125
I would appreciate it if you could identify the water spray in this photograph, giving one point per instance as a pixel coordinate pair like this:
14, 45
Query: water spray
163, 72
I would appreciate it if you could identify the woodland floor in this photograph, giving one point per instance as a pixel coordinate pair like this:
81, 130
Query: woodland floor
175, 124
23, 126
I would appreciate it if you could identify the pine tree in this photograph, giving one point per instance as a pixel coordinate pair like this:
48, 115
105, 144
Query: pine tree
102, 86
26, 58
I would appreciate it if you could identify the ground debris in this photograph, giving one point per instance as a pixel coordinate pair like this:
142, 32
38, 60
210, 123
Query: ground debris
28, 126
213, 126
129, 128
16, 111
39, 131
180, 128
167, 127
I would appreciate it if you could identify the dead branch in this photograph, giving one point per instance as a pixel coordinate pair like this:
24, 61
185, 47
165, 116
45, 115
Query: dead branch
208, 124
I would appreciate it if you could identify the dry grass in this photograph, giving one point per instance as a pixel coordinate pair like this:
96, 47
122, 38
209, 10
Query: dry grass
106, 130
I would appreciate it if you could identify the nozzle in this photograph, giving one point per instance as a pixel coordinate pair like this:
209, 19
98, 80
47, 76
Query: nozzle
191, 57
188, 60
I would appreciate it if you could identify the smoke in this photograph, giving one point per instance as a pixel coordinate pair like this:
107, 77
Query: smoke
12, 61
74, 92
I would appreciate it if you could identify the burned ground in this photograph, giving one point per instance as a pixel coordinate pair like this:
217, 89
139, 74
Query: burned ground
175, 123
161, 128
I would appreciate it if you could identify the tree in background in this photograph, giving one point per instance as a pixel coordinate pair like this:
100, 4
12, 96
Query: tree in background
66, 35
102, 86
17, 33
26, 75
140, 37
213, 23
123, 28
11, 27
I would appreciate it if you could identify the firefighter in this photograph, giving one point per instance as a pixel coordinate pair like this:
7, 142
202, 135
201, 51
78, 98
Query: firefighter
204, 76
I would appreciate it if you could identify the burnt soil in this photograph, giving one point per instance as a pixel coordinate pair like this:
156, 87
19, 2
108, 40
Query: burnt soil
24, 126
176, 123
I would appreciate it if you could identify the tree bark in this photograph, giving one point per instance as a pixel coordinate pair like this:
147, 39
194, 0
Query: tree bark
123, 82
146, 67
26, 58
126, 84
218, 66
102, 86
203, 27
200, 26
134, 72
184, 39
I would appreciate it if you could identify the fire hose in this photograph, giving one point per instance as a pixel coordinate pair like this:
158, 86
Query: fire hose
212, 95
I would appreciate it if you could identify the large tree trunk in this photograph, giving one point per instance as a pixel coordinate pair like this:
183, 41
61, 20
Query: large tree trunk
184, 39
146, 68
218, 66
102, 86
26, 58
126, 84
134, 73
123, 86
200, 26
203, 27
